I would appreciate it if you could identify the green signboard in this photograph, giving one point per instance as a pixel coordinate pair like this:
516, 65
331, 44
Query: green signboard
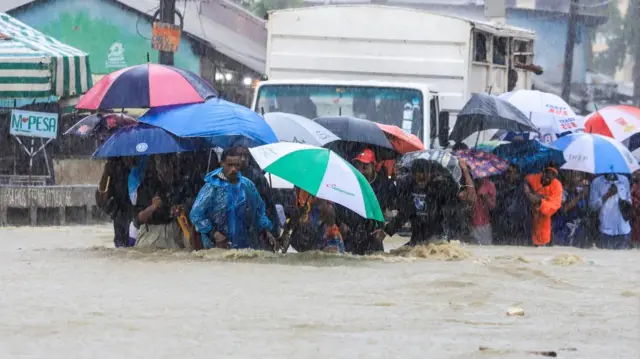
114, 37
34, 124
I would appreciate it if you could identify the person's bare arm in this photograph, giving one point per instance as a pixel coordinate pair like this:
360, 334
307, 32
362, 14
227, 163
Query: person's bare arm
145, 215
469, 193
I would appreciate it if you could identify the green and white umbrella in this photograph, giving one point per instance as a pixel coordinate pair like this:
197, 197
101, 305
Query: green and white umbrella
322, 173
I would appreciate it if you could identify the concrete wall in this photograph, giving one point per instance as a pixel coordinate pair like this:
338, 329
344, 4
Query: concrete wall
78, 171
51, 205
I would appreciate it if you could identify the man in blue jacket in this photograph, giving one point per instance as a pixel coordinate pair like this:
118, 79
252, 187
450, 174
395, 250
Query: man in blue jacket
229, 212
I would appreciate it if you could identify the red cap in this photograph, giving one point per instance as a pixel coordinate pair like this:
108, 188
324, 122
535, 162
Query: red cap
366, 156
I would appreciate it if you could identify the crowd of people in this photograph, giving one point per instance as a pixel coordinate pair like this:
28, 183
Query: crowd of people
199, 200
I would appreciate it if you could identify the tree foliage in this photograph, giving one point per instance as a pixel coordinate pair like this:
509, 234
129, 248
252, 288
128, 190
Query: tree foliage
614, 32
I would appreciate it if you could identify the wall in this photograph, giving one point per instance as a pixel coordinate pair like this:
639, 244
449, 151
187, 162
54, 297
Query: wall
551, 37
113, 36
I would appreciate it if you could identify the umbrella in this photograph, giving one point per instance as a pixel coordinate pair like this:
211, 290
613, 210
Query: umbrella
483, 164
402, 142
225, 123
322, 173
294, 128
548, 112
485, 112
146, 86
101, 125
489, 146
619, 122
356, 134
448, 162
595, 154
531, 156
143, 140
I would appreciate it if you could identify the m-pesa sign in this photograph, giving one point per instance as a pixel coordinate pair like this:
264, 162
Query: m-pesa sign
34, 124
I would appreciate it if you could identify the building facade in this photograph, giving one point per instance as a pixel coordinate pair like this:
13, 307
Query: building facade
222, 42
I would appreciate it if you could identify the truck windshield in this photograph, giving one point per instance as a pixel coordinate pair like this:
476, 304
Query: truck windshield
401, 107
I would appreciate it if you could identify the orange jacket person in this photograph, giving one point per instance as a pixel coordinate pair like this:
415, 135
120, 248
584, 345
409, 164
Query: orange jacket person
544, 191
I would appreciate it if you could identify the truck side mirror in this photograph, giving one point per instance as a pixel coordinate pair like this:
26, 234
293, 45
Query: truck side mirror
443, 126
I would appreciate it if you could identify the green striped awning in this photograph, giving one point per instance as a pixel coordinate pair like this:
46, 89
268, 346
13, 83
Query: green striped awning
34, 65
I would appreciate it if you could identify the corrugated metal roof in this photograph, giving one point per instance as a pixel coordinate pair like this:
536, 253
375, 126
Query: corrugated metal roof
246, 47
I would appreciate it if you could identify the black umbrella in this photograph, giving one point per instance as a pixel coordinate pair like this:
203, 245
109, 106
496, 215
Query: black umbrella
355, 135
448, 165
485, 112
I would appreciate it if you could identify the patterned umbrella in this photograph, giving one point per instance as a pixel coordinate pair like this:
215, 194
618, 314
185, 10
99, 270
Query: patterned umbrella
447, 161
483, 164
100, 125
146, 86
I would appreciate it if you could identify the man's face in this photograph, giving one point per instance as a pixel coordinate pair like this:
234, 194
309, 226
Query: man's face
230, 167
422, 178
366, 169
611, 177
636, 177
547, 177
511, 175
243, 154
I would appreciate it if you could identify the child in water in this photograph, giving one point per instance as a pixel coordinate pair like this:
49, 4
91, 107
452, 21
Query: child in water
332, 239
313, 227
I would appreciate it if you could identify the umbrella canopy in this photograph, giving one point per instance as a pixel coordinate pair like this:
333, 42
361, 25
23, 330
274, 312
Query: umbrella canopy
402, 142
225, 123
100, 125
322, 173
485, 112
482, 164
618, 122
595, 154
448, 162
289, 127
489, 146
548, 112
356, 134
530, 156
143, 140
36, 65
146, 86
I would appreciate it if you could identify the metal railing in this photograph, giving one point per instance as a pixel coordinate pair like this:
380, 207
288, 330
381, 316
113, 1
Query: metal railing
22, 180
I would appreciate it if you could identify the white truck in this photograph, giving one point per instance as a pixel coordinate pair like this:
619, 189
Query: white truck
393, 65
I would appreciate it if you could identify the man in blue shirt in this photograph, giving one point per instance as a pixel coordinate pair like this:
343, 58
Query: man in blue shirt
229, 212
607, 195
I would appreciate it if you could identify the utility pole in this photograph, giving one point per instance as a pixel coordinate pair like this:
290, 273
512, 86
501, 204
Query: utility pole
167, 15
568, 50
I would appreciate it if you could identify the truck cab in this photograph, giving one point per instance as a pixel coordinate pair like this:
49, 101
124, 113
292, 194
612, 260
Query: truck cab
412, 107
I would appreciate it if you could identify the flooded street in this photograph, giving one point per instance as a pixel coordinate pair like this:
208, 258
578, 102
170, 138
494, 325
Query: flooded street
67, 294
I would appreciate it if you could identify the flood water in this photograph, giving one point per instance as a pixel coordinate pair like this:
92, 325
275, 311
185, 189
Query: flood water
65, 293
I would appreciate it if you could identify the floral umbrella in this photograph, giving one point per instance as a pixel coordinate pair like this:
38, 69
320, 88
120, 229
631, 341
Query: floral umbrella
483, 164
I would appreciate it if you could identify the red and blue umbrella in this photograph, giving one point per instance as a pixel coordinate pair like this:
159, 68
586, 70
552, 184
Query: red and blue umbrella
146, 86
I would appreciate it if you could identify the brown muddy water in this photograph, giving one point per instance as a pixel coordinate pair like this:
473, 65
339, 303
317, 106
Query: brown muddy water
66, 293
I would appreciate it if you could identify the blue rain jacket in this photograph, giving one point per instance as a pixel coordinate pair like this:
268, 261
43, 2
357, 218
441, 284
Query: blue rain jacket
235, 210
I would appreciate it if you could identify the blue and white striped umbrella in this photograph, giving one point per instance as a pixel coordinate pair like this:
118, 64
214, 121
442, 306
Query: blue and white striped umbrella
596, 154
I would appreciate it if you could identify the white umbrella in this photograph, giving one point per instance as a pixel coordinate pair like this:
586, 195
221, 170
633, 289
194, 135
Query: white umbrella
293, 128
550, 113
596, 154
